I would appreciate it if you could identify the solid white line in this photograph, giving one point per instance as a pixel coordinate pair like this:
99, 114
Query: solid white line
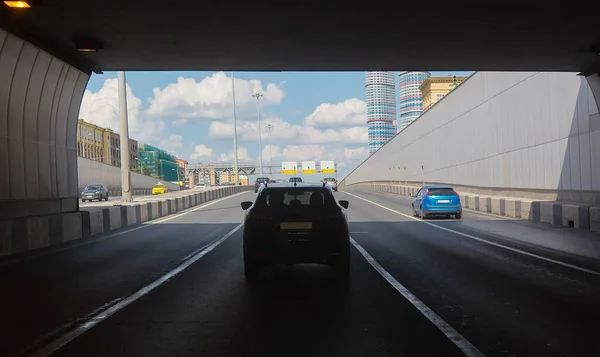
462, 343
142, 226
78, 331
585, 270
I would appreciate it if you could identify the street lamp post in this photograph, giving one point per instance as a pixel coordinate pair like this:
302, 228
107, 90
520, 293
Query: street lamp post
258, 96
124, 134
269, 127
235, 151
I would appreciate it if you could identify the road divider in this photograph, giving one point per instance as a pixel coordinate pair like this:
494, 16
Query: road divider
32, 233
562, 214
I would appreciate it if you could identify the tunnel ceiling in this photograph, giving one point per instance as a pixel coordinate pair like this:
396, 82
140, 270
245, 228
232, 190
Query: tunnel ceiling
312, 35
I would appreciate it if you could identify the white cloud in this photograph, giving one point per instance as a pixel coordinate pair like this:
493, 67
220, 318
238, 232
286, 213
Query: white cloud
180, 122
243, 155
210, 98
202, 152
102, 108
287, 132
173, 143
351, 112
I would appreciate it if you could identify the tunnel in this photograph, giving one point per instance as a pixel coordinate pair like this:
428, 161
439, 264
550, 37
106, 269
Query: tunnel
45, 67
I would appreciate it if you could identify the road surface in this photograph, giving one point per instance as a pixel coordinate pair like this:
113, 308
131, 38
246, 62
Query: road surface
476, 291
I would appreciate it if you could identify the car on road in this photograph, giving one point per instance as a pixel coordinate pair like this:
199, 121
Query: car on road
295, 224
437, 200
295, 179
331, 182
96, 191
259, 181
159, 189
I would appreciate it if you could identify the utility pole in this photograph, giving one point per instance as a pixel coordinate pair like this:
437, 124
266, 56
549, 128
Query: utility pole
269, 127
257, 96
124, 136
235, 151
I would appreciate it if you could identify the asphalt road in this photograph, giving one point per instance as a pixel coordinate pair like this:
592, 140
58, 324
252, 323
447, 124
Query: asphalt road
503, 302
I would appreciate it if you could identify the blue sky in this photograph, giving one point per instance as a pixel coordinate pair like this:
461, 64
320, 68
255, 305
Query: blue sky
192, 117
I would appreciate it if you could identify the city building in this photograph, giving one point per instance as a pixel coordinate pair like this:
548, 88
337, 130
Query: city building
158, 163
93, 142
115, 151
183, 165
435, 88
411, 104
381, 108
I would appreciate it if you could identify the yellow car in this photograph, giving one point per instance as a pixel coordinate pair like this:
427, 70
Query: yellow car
159, 189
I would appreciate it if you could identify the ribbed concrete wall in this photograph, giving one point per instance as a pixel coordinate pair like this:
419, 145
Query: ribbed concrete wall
39, 103
96, 172
523, 130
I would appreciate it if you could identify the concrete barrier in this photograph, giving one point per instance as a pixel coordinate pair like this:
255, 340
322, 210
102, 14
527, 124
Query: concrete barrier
579, 216
26, 234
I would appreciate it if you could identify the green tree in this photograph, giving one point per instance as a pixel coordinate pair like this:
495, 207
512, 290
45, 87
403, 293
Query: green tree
145, 170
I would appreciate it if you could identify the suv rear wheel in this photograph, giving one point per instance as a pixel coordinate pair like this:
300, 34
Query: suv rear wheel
250, 271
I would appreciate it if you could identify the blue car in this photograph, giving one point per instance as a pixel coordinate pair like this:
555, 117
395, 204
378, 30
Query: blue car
437, 200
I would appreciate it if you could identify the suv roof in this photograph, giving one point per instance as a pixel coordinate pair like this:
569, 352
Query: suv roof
298, 185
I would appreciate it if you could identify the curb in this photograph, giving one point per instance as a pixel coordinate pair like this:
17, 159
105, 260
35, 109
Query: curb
30, 233
561, 214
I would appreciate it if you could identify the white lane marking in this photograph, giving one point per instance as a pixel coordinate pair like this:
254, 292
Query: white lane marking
585, 270
142, 226
462, 343
95, 320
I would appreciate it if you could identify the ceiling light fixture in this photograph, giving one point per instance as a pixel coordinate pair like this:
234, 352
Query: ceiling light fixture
17, 4
87, 45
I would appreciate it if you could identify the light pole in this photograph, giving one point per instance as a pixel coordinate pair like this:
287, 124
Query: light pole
235, 152
124, 136
257, 96
269, 127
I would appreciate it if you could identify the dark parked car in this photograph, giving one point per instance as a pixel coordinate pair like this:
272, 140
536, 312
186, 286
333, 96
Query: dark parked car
95, 191
296, 224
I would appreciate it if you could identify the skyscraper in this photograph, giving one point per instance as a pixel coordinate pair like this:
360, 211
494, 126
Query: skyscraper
381, 108
411, 101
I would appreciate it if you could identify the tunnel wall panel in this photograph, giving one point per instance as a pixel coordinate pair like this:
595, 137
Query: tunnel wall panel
40, 97
501, 130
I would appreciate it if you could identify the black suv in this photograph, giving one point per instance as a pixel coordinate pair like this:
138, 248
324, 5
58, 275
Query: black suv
296, 224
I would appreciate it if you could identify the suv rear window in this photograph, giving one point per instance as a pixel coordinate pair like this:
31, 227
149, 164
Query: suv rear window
330, 179
262, 179
290, 196
441, 191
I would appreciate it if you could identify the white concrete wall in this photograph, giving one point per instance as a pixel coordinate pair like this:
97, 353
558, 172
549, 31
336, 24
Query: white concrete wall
40, 97
96, 172
526, 130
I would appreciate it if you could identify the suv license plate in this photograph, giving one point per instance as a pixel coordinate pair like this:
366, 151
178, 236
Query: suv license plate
295, 225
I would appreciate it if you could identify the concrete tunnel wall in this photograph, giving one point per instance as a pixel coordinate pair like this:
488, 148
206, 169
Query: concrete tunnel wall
503, 130
91, 171
40, 97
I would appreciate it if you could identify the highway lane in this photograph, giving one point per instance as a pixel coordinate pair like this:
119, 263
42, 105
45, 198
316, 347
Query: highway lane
47, 295
505, 303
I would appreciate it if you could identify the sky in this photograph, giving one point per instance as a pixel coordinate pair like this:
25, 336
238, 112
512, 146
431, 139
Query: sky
315, 115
